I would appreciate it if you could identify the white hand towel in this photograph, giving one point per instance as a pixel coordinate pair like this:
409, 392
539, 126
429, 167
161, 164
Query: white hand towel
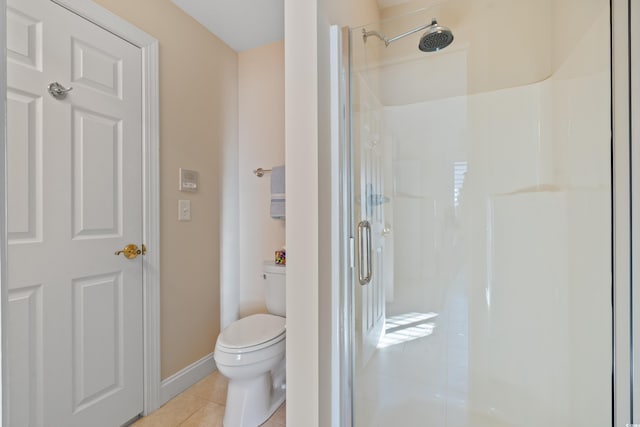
277, 210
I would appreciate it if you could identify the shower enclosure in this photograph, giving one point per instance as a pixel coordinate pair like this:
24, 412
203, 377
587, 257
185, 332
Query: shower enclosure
481, 205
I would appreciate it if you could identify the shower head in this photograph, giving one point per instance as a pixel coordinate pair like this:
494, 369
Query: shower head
435, 38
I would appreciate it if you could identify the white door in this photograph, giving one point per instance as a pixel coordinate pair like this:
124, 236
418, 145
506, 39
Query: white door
74, 199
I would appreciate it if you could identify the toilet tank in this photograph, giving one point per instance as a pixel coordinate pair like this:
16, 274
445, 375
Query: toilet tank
275, 287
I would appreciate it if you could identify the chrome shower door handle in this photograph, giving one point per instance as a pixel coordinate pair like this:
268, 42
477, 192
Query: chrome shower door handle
364, 252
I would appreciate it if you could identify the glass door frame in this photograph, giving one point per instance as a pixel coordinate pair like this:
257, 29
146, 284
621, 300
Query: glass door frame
632, 123
623, 238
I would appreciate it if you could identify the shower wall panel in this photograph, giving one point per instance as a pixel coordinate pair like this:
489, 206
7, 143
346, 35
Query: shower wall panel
498, 200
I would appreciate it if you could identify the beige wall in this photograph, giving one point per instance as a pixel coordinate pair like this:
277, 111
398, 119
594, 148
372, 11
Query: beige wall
198, 119
261, 144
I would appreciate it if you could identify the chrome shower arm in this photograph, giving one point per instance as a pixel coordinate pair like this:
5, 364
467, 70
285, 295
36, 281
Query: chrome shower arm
388, 41
408, 33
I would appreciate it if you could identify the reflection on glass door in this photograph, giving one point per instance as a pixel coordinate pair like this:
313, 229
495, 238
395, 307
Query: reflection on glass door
481, 176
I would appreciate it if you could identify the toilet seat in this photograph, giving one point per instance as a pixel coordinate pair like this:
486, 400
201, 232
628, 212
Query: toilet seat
252, 333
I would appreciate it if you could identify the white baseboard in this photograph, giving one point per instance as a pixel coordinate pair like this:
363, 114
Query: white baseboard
185, 378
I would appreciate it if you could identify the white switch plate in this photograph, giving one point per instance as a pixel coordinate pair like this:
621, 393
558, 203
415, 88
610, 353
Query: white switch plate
184, 210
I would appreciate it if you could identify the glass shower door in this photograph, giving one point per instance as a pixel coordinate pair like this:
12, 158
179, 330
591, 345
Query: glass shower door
482, 200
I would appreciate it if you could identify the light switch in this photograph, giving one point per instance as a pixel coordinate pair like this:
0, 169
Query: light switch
184, 210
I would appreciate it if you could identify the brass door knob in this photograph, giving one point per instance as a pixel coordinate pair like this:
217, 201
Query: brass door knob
131, 251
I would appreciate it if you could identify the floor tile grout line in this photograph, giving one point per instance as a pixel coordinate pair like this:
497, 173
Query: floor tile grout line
205, 400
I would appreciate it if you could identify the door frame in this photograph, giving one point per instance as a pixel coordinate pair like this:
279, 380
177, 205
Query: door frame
148, 46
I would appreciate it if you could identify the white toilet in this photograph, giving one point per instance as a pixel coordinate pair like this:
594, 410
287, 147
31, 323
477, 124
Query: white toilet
251, 354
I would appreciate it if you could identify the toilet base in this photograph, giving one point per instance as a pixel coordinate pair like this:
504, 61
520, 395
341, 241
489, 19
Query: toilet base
251, 402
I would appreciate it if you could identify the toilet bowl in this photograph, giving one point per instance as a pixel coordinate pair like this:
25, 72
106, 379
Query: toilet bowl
250, 353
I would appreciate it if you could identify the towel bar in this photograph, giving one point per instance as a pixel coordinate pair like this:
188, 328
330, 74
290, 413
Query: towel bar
260, 172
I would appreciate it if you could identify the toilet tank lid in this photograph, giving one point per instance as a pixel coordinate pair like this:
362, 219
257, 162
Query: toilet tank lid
272, 267
252, 330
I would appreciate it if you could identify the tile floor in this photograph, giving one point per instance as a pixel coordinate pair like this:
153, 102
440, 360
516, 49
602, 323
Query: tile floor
201, 405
